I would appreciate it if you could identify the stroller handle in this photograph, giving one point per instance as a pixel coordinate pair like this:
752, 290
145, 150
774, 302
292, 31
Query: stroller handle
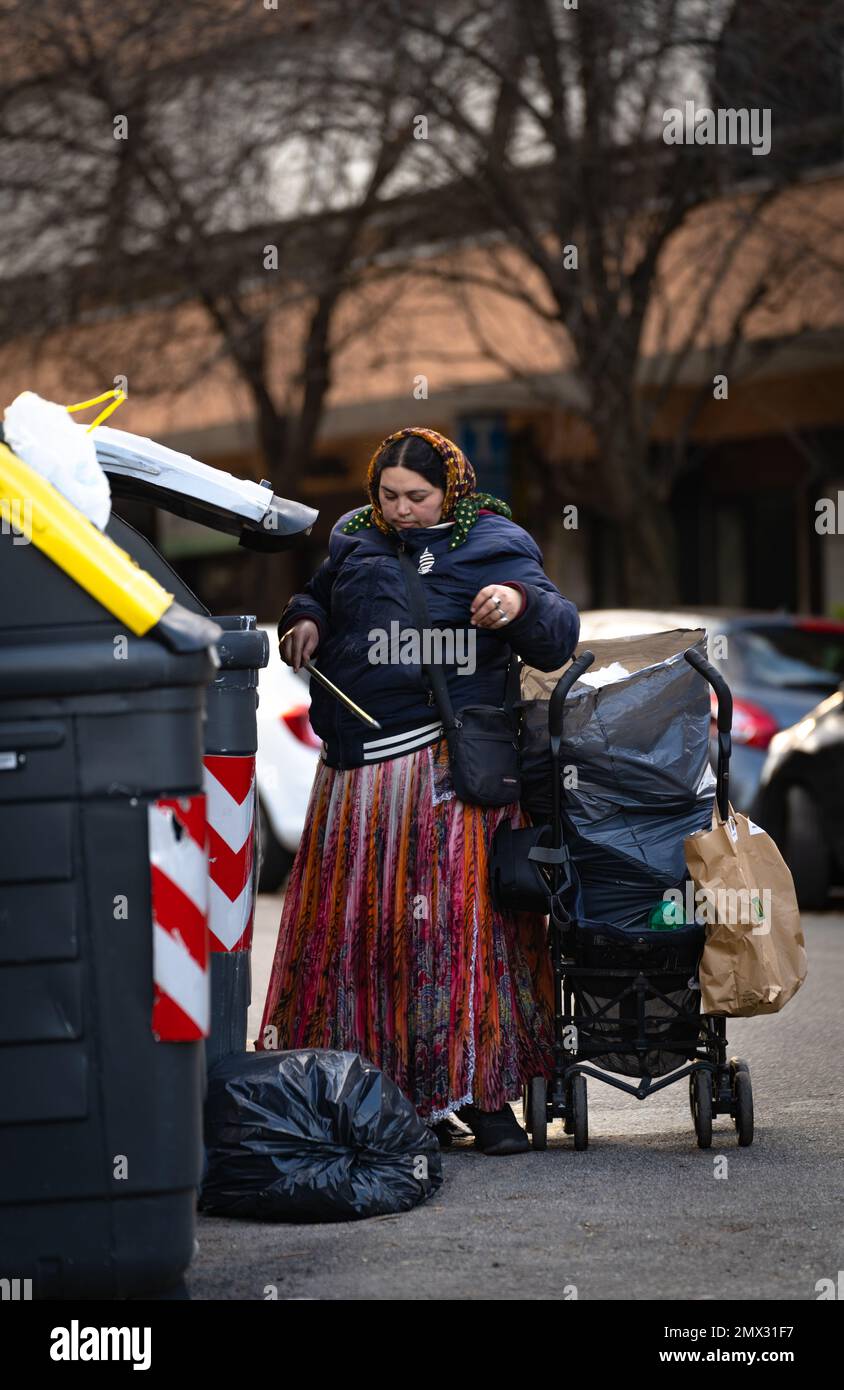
719, 685
725, 724
561, 690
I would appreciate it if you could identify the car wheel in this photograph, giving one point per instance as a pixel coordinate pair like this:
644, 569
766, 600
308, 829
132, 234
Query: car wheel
806, 850
274, 861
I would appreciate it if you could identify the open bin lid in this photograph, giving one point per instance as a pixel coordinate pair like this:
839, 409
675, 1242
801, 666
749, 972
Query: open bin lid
140, 469
94, 563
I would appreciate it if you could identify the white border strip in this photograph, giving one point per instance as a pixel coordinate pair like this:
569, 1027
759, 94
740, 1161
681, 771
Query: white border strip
409, 747
399, 738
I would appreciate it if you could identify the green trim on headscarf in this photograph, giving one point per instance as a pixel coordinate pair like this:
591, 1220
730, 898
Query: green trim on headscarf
465, 515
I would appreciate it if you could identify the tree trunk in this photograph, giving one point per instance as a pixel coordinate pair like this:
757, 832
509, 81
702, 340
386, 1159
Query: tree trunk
643, 521
648, 556
266, 577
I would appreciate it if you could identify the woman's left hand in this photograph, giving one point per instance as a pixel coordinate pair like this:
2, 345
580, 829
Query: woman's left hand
486, 612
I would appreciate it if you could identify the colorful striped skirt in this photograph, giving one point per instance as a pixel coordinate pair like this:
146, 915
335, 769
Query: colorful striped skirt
389, 944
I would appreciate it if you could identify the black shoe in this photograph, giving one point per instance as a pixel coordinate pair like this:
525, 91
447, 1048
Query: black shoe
448, 1132
495, 1131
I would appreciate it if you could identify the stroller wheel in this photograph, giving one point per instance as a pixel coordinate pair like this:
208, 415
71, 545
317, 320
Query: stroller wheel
579, 1111
700, 1093
568, 1122
742, 1109
692, 1111
537, 1092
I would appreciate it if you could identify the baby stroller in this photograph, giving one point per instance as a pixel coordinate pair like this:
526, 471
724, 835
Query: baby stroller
627, 999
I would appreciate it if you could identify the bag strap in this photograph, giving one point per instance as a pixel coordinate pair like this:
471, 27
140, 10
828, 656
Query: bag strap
422, 619
718, 822
119, 397
435, 674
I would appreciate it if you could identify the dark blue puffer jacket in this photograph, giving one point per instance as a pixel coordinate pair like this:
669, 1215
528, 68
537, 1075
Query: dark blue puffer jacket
360, 587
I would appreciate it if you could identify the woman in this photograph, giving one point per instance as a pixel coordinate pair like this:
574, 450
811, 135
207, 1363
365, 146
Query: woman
389, 944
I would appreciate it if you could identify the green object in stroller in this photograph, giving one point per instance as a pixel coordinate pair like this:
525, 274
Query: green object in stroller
626, 997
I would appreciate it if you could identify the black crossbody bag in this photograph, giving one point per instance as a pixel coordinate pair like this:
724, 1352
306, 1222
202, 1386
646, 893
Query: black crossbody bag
483, 745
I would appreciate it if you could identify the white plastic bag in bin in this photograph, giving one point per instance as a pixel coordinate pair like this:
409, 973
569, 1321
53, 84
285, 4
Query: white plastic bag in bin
43, 434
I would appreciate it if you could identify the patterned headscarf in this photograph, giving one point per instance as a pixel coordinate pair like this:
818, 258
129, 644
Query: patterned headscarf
461, 501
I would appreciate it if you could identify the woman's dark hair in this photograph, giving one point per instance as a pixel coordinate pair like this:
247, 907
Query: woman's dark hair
415, 453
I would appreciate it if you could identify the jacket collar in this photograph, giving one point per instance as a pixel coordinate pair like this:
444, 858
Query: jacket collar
417, 537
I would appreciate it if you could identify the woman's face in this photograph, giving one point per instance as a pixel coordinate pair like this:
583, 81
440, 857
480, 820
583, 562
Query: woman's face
408, 499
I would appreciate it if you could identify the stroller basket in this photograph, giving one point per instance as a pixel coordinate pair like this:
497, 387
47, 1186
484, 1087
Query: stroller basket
635, 997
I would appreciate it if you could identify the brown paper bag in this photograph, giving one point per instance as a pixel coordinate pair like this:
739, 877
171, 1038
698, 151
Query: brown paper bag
754, 958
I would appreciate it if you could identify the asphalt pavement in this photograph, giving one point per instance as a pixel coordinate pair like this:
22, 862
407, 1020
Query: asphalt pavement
641, 1214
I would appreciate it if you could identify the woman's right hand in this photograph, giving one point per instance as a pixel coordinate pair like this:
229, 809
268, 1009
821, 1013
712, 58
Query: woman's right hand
299, 643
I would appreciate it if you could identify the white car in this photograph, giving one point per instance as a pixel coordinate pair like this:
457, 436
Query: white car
285, 765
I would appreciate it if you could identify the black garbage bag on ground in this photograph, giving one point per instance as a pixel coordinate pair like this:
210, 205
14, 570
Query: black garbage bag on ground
639, 747
312, 1136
